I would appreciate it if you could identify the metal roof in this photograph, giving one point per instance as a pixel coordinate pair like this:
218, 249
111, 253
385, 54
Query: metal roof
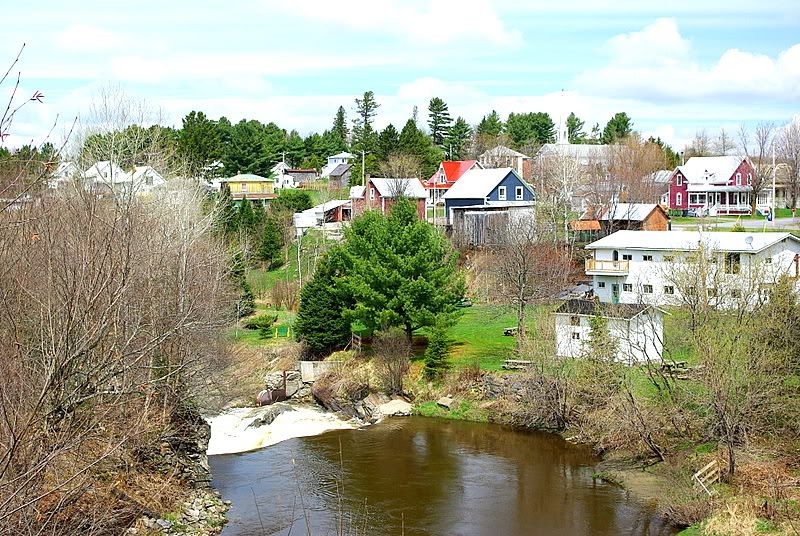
391, 187
747, 242
478, 183
606, 310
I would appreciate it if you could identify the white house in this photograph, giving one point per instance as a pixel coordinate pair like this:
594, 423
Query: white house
641, 266
281, 177
638, 329
105, 173
63, 173
144, 178
333, 163
326, 216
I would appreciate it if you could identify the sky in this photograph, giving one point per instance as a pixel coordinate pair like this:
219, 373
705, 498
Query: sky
675, 67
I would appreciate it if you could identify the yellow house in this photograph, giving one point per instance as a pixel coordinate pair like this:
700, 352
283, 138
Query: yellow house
250, 186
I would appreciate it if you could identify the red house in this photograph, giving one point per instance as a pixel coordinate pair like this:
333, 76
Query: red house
444, 177
712, 185
381, 194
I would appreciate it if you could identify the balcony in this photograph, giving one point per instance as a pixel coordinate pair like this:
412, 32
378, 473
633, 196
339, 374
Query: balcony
595, 267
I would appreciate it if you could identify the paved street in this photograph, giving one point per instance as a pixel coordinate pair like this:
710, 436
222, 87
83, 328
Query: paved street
756, 225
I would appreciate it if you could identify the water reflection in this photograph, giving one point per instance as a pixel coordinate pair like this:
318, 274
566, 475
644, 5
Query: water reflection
429, 476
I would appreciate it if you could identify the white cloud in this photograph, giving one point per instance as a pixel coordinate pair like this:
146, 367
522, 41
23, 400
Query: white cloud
419, 21
656, 64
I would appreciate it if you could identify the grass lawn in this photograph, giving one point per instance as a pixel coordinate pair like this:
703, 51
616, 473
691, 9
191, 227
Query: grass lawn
252, 337
478, 336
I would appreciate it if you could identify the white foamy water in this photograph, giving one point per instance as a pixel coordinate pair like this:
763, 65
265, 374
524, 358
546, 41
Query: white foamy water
230, 432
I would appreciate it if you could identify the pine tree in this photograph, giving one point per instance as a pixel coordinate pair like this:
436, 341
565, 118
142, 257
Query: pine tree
458, 138
618, 127
227, 215
364, 137
295, 149
439, 120
436, 353
199, 140
575, 132
271, 243
414, 142
246, 304
388, 142
531, 128
490, 125
340, 132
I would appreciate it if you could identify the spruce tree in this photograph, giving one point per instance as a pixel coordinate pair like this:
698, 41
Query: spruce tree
246, 304
364, 136
618, 127
321, 321
575, 132
388, 142
439, 120
490, 125
246, 216
457, 139
227, 214
436, 353
271, 243
339, 132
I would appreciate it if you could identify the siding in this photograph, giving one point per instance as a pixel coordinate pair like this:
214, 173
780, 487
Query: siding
510, 182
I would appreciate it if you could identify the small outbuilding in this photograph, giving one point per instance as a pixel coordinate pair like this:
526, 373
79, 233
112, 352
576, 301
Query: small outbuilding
638, 329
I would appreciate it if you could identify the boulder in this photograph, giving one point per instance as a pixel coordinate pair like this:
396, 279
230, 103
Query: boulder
294, 382
395, 408
268, 414
445, 402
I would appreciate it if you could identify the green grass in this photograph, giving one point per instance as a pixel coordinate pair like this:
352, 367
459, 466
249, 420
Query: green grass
694, 530
252, 337
478, 336
464, 411
681, 220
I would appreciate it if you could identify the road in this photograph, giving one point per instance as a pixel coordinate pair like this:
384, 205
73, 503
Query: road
756, 225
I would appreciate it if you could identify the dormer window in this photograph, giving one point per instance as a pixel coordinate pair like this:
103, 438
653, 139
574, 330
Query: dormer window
739, 178
501, 193
679, 180
749, 178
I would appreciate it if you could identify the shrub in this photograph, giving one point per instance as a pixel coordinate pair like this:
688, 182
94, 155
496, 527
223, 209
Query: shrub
392, 353
260, 322
436, 354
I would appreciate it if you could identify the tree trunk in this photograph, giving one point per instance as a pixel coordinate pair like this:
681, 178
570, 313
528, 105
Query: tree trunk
521, 333
731, 460
409, 333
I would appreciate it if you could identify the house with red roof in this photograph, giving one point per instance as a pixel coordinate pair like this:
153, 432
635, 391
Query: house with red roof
445, 177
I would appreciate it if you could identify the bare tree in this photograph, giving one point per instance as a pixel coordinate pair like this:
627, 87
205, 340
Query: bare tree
632, 165
757, 148
401, 166
724, 144
788, 150
392, 354
557, 177
700, 145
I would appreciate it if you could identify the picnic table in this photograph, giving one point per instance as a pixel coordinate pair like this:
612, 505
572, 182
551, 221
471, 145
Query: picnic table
510, 332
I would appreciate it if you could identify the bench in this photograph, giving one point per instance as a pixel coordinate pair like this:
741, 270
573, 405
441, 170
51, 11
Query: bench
510, 332
516, 364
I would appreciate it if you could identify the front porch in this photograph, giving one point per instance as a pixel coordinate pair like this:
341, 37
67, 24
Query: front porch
735, 203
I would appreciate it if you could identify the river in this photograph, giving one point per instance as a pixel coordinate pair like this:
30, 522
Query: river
419, 476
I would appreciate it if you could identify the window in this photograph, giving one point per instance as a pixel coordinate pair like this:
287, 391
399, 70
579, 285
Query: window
669, 258
647, 289
768, 260
576, 336
372, 194
732, 263
574, 321
501, 193
244, 187
601, 284
678, 199
736, 293
518, 193
679, 180
697, 199
647, 258
738, 178
627, 257
749, 178
669, 289
627, 287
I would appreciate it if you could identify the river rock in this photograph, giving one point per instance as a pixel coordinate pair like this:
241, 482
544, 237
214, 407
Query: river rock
269, 414
294, 382
395, 408
445, 402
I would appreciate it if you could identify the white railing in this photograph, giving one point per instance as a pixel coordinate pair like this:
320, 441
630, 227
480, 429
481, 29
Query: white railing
621, 267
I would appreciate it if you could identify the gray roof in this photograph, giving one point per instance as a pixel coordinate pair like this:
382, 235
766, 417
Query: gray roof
391, 187
621, 211
502, 150
581, 307
748, 242
479, 183
340, 170
579, 151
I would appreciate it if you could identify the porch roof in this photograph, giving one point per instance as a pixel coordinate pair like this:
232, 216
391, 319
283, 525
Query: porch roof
703, 188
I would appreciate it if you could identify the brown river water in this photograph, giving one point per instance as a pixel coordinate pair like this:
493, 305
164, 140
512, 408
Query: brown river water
417, 476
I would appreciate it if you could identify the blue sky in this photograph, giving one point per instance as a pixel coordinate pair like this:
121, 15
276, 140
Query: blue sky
676, 69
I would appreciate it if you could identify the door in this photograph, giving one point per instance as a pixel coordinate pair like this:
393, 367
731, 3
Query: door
616, 255
615, 292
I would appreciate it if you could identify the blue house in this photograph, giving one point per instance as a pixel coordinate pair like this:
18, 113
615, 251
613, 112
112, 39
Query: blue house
488, 187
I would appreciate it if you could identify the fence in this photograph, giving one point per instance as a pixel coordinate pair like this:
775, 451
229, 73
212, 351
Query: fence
311, 370
706, 477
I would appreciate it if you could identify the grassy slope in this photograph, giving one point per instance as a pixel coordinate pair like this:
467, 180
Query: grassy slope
478, 335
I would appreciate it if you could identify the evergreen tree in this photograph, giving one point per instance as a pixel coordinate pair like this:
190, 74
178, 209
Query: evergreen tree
490, 125
292, 201
199, 140
246, 304
364, 137
321, 321
458, 138
339, 132
271, 245
295, 149
246, 217
388, 142
439, 120
247, 152
414, 142
575, 132
670, 156
618, 127
594, 136
227, 215
531, 128
401, 271
436, 353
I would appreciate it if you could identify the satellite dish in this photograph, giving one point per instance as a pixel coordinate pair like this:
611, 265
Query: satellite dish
749, 241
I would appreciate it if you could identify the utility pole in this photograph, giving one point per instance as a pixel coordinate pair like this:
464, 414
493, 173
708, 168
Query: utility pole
772, 213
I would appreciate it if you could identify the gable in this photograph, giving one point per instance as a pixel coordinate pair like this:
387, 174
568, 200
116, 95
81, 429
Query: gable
511, 182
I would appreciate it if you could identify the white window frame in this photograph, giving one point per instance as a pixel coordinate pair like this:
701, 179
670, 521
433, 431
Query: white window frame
669, 289
244, 187
372, 193
647, 258
601, 284
576, 336
501, 193
679, 180
738, 178
749, 178
519, 193
678, 198
647, 288
627, 287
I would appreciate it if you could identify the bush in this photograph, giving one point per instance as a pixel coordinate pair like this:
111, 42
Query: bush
392, 359
260, 322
